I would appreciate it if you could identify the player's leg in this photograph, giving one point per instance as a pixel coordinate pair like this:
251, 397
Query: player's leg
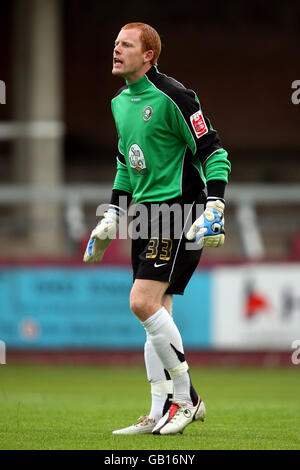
187, 405
183, 411
167, 302
161, 387
161, 393
146, 303
159, 378
162, 332
153, 281
146, 297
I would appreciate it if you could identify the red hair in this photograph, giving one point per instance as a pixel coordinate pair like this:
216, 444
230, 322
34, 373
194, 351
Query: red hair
149, 37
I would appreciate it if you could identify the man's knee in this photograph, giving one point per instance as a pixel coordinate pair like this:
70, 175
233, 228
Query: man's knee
141, 306
146, 298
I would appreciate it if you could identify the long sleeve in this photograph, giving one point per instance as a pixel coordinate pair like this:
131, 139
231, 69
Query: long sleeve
122, 178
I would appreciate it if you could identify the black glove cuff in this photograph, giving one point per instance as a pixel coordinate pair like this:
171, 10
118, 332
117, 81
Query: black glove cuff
120, 201
216, 189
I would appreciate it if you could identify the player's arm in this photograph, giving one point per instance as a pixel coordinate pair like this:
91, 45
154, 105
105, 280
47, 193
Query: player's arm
208, 229
108, 226
204, 142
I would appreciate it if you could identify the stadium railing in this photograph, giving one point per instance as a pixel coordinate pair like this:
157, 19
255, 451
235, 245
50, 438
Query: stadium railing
250, 205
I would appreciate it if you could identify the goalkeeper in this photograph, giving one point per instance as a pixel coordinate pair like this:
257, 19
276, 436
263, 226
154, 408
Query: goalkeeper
168, 152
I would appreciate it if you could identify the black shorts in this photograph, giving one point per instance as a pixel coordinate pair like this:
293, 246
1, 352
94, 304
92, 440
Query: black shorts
166, 255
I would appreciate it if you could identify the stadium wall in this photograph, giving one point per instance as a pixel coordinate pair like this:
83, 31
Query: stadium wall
246, 314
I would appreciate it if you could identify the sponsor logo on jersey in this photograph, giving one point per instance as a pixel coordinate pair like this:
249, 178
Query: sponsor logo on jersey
137, 160
199, 124
147, 113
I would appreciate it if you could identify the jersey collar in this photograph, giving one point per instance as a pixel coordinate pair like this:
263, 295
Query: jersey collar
142, 83
152, 73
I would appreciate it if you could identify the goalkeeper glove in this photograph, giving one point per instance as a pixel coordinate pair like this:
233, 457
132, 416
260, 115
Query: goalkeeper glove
101, 237
208, 229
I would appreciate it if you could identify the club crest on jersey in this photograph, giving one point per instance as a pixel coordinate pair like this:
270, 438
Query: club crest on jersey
147, 113
199, 124
137, 160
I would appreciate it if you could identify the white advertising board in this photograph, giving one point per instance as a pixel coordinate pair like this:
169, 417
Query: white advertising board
256, 306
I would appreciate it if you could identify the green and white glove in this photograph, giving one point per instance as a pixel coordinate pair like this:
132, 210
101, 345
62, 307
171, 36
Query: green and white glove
208, 229
101, 237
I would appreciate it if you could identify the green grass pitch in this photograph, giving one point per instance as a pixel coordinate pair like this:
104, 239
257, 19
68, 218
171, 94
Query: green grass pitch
77, 407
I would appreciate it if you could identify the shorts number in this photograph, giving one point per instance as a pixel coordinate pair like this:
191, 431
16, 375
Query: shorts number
166, 249
152, 248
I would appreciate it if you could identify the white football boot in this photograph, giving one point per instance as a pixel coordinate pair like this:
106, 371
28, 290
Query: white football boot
179, 416
144, 425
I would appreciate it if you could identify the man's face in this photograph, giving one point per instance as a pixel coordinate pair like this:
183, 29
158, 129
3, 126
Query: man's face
129, 61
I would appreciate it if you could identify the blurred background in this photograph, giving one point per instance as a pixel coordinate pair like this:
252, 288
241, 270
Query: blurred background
57, 163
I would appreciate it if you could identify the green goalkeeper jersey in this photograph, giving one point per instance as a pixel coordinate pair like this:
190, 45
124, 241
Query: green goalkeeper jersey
167, 147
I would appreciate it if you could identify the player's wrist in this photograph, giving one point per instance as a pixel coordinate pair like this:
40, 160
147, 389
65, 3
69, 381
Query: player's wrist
214, 199
217, 204
113, 214
120, 201
216, 190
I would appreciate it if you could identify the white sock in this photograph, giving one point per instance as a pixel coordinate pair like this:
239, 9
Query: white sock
158, 406
167, 342
161, 383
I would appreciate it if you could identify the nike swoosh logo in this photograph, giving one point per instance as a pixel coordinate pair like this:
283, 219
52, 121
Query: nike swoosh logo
158, 265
